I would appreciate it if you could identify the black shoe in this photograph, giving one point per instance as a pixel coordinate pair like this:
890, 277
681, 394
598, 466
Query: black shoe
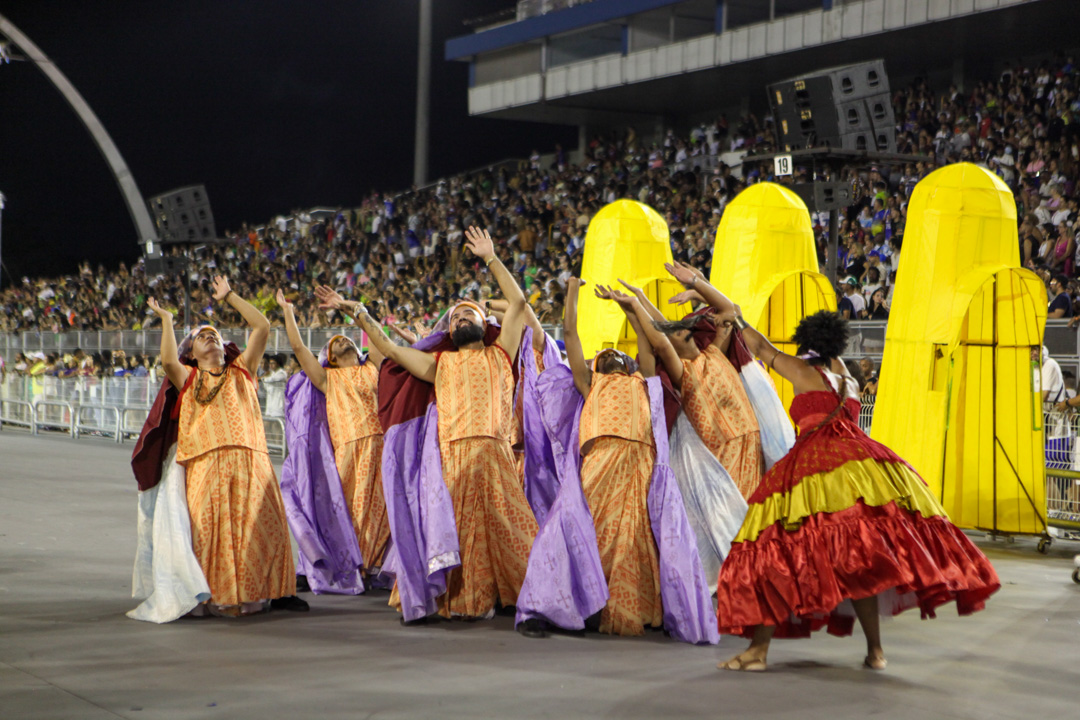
505, 610
302, 584
291, 603
592, 623
532, 628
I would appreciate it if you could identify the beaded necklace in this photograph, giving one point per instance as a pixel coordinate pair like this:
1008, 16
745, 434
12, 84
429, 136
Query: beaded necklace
214, 391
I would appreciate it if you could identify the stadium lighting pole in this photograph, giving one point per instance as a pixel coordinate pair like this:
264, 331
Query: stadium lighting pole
2, 239
140, 215
423, 96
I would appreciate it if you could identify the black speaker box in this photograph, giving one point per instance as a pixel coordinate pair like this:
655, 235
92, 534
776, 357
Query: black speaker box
183, 216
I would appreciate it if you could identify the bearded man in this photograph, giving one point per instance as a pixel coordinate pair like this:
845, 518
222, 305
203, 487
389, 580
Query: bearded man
474, 397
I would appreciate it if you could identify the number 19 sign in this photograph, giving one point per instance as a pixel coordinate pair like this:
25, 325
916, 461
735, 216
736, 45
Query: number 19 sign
782, 165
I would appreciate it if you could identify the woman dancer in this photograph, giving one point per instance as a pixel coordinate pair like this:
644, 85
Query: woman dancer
840, 518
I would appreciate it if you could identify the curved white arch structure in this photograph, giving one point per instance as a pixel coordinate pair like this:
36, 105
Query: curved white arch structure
144, 226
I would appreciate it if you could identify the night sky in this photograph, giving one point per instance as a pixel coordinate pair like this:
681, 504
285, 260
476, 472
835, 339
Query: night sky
274, 106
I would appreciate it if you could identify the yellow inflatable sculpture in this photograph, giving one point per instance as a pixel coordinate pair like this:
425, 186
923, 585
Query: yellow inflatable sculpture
764, 259
627, 240
957, 398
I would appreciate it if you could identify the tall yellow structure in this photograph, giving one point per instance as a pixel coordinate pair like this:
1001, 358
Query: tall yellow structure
765, 260
627, 240
957, 398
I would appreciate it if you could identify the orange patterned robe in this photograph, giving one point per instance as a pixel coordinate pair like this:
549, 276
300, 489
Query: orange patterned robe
352, 412
474, 390
616, 470
716, 404
238, 527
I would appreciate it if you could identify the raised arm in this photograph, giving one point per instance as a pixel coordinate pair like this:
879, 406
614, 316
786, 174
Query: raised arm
630, 305
420, 365
574, 354
661, 345
260, 326
694, 279
802, 376
479, 241
308, 362
498, 307
176, 371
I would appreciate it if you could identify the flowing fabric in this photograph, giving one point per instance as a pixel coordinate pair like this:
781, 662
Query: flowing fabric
495, 526
714, 506
167, 575
777, 432
541, 473
565, 582
423, 527
239, 532
615, 476
841, 517
315, 504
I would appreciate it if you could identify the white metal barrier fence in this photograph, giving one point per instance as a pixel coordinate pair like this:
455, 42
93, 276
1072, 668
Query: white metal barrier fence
113, 407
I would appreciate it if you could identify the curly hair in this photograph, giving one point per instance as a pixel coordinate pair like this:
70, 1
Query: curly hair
824, 332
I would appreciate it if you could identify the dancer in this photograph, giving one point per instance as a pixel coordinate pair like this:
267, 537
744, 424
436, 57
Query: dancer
239, 534
350, 386
841, 524
618, 521
474, 390
694, 353
617, 458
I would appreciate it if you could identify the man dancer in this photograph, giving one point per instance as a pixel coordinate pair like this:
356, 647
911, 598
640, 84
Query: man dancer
474, 391
239, 534
351, 387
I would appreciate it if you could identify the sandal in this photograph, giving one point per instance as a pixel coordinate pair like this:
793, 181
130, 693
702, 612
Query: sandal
739, 665
875, 663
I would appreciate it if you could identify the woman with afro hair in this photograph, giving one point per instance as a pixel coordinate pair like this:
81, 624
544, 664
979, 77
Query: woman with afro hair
841, 527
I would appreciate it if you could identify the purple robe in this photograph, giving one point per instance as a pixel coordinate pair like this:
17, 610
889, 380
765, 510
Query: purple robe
418, 504
564, 583
541, 472
315, 504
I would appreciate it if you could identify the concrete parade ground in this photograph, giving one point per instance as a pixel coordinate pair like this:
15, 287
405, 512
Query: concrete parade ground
67, 542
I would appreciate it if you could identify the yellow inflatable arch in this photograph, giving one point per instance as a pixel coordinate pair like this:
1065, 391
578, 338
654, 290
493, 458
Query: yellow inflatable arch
627, 240
765, 260
956, 397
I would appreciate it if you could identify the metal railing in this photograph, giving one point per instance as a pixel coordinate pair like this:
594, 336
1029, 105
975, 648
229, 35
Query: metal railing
112, 407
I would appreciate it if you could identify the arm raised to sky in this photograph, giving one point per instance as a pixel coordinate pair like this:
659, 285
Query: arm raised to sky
308, 362
630, 306
420, 364
658, 341
260, 326
574, 353
176, 371
479, 241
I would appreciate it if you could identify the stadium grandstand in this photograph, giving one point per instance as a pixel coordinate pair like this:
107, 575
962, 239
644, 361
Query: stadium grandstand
670, 101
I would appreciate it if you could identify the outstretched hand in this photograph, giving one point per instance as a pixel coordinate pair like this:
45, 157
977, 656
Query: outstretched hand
633, 290
329, 299
221, 287
626, 302
480, 242
282, 301
161, 312
684, 273
685, 296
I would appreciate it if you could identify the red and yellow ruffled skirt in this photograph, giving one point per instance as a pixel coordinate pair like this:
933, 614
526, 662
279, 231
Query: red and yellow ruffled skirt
841, 517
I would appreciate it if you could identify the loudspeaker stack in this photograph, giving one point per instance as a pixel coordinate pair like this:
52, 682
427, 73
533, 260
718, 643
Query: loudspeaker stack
846, 107
183, 216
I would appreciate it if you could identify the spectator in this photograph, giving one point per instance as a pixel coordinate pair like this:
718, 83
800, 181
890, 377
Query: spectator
1061, 304
851, 304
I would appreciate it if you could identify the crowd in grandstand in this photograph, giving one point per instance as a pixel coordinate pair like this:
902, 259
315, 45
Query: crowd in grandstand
404, 255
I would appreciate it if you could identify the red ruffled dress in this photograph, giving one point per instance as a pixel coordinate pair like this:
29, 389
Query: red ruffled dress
841, 517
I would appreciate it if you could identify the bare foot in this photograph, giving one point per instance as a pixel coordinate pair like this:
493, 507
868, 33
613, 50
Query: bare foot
744, 663
875, 660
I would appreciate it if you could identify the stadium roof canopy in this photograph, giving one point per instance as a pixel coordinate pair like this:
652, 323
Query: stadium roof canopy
600, 62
